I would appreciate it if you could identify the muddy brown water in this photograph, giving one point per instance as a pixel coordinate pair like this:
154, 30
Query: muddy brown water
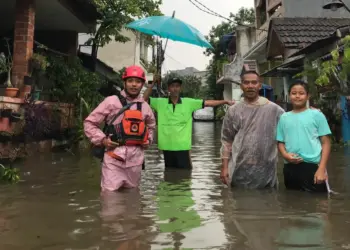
58, 206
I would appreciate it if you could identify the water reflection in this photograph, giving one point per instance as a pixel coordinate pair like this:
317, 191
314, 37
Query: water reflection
175, 206
122, 220
251, 218
259, 220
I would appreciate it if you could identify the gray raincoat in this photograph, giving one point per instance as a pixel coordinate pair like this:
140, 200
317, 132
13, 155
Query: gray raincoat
248, 140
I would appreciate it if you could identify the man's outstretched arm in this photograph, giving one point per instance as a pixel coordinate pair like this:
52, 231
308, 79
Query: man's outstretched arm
214, 103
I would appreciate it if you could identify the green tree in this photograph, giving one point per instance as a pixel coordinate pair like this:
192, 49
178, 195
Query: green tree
191, 85
244, 16
115, 14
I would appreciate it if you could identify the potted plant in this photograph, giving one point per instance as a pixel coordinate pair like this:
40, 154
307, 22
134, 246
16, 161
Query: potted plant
37, 66
11, 90
3, 72
6, 66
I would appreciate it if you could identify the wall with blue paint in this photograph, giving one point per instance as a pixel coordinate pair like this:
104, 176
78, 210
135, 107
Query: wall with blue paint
345, 119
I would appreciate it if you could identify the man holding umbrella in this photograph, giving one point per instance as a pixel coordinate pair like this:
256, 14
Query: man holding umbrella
174, 116
174, 113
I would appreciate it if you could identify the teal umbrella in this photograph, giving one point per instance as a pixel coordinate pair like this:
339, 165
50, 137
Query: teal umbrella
170, 28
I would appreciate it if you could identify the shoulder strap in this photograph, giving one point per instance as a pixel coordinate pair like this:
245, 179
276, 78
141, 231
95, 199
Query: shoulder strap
139, 106
122, 99
121, 111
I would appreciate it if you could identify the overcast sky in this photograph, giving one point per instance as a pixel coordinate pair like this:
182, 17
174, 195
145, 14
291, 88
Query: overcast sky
180, 55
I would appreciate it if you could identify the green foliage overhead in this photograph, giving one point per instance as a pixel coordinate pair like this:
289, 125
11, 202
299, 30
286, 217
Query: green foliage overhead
116, 14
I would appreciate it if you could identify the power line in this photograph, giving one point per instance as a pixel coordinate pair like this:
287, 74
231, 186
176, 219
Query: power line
213, 13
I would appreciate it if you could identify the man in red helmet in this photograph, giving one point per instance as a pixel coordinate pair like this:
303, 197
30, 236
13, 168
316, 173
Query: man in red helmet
174, 116
122, 160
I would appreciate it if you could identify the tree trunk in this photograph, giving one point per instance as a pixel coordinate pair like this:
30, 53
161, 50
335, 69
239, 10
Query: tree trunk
94, 51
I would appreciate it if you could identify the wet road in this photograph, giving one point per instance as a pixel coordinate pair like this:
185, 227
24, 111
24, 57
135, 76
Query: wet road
58, 206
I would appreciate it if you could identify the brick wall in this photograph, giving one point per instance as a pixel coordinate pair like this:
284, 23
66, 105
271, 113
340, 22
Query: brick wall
23, 39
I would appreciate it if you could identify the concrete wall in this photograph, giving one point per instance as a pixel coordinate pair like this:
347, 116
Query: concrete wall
245, 39
312, 8
119, 55
227, 92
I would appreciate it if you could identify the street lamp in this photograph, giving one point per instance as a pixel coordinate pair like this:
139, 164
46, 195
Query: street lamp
335, 4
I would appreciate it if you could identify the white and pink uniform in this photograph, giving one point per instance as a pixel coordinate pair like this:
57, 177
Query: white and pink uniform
116, 173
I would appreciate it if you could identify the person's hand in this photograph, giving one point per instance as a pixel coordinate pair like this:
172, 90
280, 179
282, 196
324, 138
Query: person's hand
109, 144
320, 176
145, 145
293, 158
224, 175
230, 103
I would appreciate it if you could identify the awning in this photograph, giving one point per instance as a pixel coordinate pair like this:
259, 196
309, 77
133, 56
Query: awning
257, 50
292, 65
225, 41
319, 44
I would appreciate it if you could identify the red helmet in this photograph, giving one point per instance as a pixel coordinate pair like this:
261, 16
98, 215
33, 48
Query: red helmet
134, 71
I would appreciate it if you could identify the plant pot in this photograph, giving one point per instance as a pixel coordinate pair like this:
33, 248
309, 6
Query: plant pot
11, 92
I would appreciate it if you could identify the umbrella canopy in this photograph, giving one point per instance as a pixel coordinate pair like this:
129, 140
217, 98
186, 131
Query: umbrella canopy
170, 28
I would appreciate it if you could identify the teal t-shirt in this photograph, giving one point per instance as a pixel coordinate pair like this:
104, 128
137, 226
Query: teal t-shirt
175, 122
300, 133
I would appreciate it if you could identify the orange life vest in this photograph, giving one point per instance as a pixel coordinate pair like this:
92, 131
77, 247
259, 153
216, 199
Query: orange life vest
132, 130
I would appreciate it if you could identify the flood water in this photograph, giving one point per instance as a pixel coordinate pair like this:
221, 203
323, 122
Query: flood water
58, 206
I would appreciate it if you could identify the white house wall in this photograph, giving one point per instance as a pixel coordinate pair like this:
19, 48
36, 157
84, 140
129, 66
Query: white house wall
119, 55
245, 39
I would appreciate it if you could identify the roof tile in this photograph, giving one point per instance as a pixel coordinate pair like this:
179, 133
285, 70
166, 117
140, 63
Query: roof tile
300, 32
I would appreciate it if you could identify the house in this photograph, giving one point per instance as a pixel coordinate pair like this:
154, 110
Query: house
28, 24
137, 51
296, 28
256, 40
289, 36
54, 23
247, 50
